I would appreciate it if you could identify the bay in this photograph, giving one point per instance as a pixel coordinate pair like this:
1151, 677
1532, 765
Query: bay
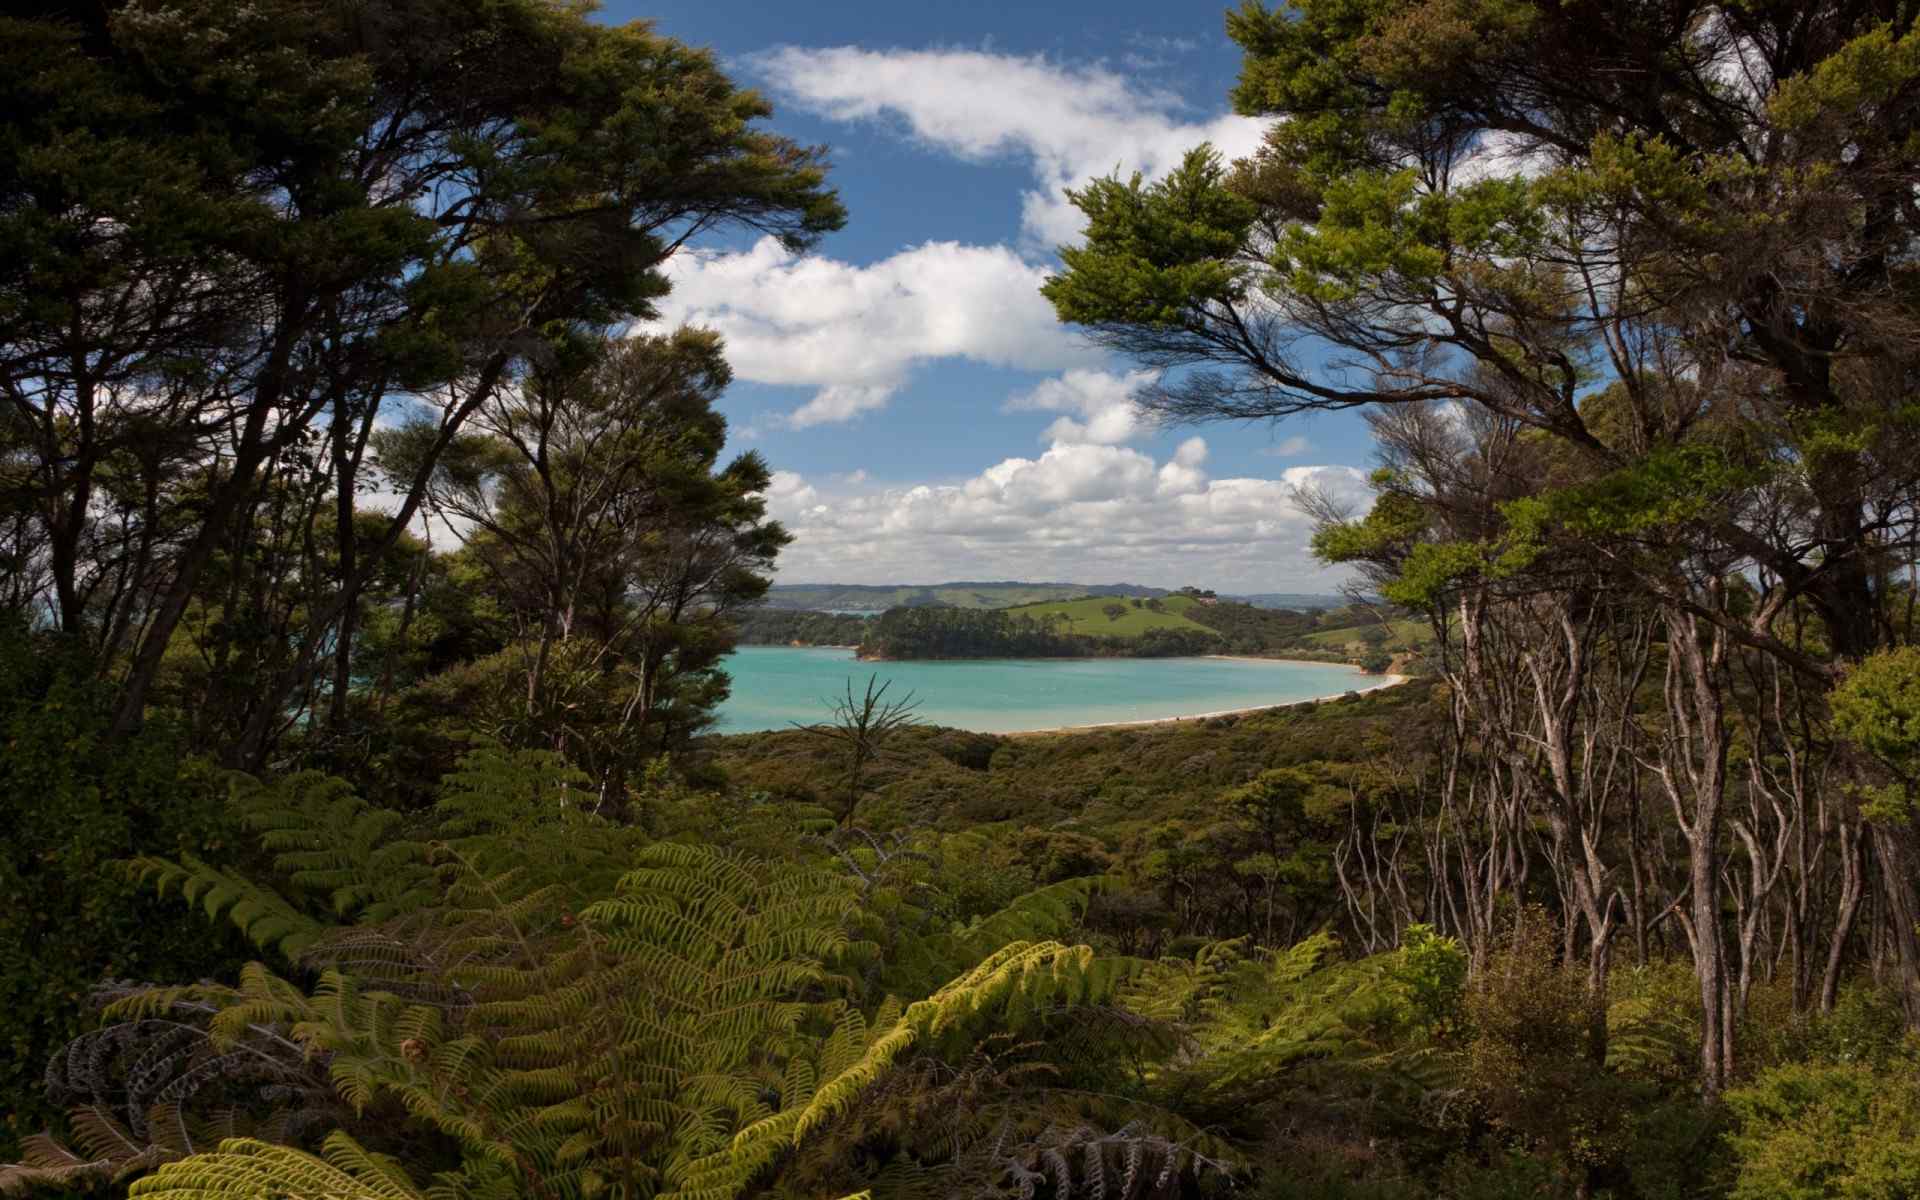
776, 686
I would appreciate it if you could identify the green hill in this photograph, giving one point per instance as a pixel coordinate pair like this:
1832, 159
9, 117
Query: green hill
1088, 615
854, 597
1403, 633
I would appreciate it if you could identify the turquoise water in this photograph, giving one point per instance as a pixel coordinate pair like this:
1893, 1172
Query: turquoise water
775, 686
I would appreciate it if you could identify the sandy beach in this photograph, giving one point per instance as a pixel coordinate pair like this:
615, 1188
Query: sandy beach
1386, 681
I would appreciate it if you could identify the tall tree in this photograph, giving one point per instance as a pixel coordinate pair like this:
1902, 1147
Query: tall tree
230, 228
612, 537
1683, 264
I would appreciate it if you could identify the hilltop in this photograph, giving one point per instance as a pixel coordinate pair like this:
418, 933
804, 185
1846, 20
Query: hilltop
1127, 626
1103, 616
864, 597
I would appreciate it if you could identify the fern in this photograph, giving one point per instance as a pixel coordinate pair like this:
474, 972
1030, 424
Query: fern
330, 843
1255, 1016
262, 915
246, 1167
1650, 1039
918, 961
163, 1085
574, 1011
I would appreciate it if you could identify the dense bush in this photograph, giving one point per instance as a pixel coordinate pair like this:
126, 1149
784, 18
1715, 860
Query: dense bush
70, 914
903, 633
765, 626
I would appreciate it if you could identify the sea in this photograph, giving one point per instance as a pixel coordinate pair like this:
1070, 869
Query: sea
775, 687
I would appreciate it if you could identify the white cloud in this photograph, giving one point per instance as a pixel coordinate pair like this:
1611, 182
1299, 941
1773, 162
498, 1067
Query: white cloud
841, 402
857, 333
1070, 123
1081, 511
1182, 475
1102, 405
1290, 447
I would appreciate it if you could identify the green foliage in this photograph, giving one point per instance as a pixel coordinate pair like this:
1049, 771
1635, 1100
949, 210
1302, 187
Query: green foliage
74, 806
1155, 254
867, 600
1841, 1131
1101, 617
1042, 631
1878, 707
1667, 487
1434, 971
246, 1167
764, 626
666, 1019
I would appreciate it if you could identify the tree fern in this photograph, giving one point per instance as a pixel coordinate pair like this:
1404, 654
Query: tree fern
1254, 1016
261, 914
329, 842
674, 1030
163, 1085
246, 1167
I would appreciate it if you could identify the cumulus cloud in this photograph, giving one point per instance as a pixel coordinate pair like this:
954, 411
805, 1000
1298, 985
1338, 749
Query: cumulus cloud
1100, 405
841, 402
1080, 511
857, 333
1070, 123
1182, 475
1290, 447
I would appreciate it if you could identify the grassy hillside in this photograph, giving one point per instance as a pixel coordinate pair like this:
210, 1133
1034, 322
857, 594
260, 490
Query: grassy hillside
1088, 616
1405, 633
823, 597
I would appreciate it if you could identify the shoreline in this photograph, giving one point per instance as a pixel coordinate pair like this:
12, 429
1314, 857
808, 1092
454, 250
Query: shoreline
1297, 662
1386, 681
1251, 658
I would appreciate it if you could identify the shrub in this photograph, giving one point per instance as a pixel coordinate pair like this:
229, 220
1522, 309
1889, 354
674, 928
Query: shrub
69, 916
1827, 1131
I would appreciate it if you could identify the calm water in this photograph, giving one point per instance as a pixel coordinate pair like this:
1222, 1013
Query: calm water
774, 686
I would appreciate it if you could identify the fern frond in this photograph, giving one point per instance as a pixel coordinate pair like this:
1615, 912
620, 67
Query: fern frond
245, 1167
330, 842
262, 915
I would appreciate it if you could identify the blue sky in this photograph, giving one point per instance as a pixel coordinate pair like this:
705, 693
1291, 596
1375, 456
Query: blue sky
928, 418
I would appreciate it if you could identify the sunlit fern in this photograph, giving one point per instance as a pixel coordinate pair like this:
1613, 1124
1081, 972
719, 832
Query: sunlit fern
675, 1034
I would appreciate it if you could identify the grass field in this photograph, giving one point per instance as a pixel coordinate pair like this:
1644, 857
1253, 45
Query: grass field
1088, 616
1405, 633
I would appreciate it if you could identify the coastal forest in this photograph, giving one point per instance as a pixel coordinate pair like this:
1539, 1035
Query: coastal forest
1101, 626
371, 552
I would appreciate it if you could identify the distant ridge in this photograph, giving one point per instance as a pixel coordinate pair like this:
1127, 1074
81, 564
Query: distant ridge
1002, 593
1295, 600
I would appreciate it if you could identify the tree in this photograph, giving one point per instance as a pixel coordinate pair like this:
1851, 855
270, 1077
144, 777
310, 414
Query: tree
1648, 241
859, 732
1114, 611
609, 534
236, 235
1618, 263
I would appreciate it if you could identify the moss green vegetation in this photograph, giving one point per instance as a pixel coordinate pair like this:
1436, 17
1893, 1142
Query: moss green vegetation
1401, 635
1179, 624
1107, 616
901, 633
1075, 959
763, 626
